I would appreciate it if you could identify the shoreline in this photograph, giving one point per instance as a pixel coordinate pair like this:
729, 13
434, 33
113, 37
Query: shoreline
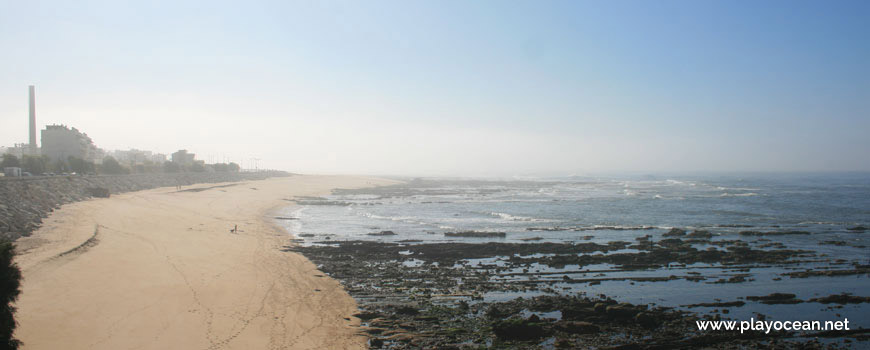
416, 295
160, 269
530, 265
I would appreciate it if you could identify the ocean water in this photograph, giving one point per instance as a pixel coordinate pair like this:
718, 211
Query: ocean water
622, 208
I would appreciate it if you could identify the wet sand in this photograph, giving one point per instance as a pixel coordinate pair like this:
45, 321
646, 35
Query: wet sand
160, 269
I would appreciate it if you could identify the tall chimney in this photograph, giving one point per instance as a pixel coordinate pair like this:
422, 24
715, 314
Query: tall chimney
32, 120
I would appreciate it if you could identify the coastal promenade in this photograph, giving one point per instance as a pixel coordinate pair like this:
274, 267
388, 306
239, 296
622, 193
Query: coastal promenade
161, 269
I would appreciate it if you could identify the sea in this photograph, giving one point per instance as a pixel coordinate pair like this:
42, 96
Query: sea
831, 207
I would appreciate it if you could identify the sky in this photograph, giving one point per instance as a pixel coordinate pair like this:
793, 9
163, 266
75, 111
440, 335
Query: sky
452, 88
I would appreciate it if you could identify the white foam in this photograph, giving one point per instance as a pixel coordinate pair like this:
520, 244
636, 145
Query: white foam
750, 194
293, 227
510, 217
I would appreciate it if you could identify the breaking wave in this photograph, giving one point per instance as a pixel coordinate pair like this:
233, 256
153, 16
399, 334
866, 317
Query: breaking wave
510, 217
749, 194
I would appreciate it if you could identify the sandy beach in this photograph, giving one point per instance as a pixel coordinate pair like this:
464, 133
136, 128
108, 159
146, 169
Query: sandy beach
160, 269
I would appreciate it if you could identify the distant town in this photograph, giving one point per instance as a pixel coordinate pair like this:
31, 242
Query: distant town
66, 150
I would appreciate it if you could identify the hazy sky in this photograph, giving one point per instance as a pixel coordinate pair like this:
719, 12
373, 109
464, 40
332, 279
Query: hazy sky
452, 87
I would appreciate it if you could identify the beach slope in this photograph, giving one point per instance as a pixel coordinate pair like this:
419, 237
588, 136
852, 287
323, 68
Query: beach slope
160, 269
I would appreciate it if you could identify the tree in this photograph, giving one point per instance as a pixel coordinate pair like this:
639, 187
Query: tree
111, 166
10, 160
34, 164
220, 167
197, 167
59, 166
10, 284
225, 167
171, 167
150, 167
80, 166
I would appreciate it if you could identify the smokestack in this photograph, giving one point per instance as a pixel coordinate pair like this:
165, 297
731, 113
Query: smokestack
32, 120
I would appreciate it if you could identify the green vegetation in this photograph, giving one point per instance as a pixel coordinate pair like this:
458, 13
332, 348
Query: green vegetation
197, 167
225, 167
36, 165
10, 283
147, 167
171, 167
80, 166
10, 160
59, 166
111, 166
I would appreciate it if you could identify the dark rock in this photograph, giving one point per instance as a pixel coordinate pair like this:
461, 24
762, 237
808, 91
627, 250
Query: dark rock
647, 320
407, 310
700, 234
772, 233
600, 307
578, 312
519, 329
776, 298
474, 234
841, 299
725, 304
499, 312
382, 233
621, 311
367, 315
548, 229
99, 192
563, 343
675, 232
828, 273
576, 327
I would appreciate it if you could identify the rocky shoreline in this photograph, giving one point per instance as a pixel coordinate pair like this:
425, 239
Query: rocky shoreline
26, 201
500, 295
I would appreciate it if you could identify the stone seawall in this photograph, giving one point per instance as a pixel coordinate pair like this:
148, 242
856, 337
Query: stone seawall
25, 201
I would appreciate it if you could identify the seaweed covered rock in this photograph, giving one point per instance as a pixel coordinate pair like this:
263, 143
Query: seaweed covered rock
519, 329
675, 232
700, 234
647, 320
577, 327
622, 311
775, 298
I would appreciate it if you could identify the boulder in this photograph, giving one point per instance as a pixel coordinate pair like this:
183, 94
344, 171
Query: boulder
647, 320
675, 232
99, 192
577, 327
519, 329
